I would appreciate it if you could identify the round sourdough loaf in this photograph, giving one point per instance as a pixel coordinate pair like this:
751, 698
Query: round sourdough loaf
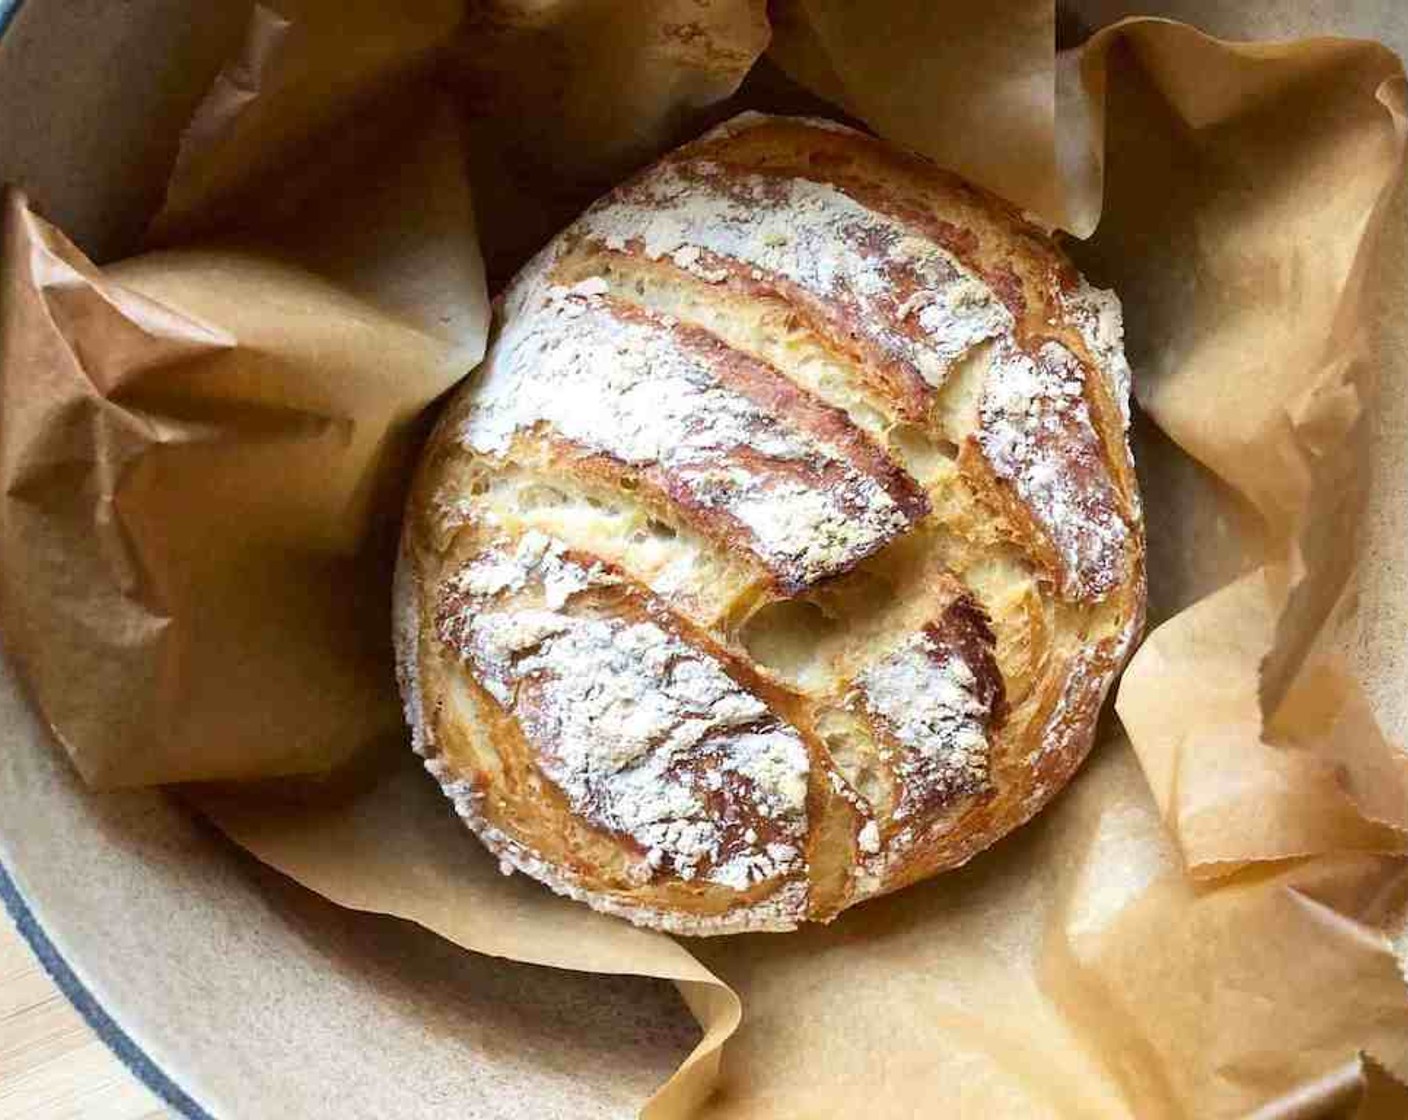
783, 548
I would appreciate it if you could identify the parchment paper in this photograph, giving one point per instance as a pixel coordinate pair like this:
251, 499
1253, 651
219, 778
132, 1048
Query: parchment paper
203, 449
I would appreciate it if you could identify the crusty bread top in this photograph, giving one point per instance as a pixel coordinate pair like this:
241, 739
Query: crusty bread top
783, 548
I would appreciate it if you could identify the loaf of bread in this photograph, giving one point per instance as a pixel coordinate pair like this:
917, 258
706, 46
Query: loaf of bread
784, 546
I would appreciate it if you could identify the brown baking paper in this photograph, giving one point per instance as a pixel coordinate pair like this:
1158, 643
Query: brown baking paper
196, 452
203, 451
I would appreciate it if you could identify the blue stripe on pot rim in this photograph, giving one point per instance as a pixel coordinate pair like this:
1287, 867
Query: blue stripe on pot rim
117, 1040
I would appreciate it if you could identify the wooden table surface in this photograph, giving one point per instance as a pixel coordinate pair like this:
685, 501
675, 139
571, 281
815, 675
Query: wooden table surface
52, 1067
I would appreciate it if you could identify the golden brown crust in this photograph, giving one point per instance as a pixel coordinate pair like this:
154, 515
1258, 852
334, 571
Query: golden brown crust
784, 548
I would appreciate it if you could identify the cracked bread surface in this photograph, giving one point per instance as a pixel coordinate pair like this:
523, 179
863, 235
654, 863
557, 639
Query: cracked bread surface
784, 546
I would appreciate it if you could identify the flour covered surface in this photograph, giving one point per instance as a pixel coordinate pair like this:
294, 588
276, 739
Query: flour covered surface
784, 546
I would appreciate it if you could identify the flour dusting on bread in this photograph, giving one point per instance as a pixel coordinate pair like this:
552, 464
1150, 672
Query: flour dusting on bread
1037, 433
644, 733
630, 385
942, 740
905, 294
